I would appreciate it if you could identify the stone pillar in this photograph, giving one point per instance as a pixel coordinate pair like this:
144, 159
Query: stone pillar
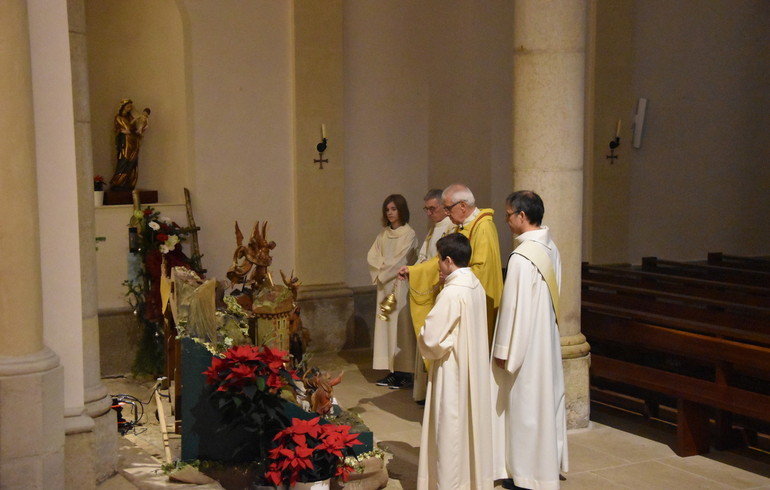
548, 119
97, 401
326, 302
31, 379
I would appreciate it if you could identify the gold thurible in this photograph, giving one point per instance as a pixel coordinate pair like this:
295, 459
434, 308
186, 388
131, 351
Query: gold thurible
387, 305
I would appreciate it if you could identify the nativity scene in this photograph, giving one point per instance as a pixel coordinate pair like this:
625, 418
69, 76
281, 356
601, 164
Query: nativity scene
242, 371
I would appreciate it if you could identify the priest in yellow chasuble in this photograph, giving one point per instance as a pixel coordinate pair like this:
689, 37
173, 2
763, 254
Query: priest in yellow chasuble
478, 226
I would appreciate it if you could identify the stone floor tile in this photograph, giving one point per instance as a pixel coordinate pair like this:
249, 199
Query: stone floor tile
626, 446
654, 474
714, 470
619, 450
590, 481
116, 482
746, 459
585, 458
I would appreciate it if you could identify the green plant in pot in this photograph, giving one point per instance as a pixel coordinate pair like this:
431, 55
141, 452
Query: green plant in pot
251, 383
309, 451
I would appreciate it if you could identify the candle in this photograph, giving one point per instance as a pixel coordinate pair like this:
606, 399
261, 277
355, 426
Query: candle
617, 131
323, 131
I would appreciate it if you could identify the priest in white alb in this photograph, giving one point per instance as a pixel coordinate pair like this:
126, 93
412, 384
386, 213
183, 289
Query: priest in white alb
530, 429
441, 224
456, 441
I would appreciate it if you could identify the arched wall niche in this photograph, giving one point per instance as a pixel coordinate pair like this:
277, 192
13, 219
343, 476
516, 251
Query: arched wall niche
135, 50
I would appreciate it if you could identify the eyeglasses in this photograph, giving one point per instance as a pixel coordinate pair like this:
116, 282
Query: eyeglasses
448, 209
430, 209
508, 215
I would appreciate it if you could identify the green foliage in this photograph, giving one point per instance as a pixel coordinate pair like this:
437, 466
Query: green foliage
156, 236
249, 382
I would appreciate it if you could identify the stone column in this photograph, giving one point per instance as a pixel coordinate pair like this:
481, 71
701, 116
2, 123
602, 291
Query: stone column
97, 400
60, 244
548, 120
326, 302
31, 378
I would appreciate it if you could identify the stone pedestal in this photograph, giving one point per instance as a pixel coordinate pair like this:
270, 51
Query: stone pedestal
126, 197
577, 390
31, 417
326, 310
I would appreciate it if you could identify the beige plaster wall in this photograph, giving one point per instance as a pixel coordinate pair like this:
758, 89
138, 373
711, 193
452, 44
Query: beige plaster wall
239, 69
217, 75
135, 50
699, 181
318, 102
470, 75
607, 186
428, 103
387, 119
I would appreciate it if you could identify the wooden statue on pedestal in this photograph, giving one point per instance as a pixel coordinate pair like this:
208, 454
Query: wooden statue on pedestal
129, 131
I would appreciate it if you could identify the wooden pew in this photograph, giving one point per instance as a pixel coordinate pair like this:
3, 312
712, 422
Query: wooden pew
683, 339
680, 296
737, 262
695, 287
705, 271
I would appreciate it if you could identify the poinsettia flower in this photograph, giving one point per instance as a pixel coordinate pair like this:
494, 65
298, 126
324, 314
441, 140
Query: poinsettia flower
309, 427
274, 476
300, 440
279, 451
241, 353
306, 449
240, 374
274, 358
161, 237
275, 383
303, 451
213, 372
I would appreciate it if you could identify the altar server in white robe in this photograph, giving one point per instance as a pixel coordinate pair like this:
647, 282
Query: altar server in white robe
456, 441
530, 427
394, 339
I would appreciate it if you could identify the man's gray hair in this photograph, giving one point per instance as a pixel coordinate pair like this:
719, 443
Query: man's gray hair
433, 194
459, 192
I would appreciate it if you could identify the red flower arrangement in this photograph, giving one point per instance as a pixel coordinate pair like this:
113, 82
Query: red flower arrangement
248, 383
309, 451
98, 183
247, 365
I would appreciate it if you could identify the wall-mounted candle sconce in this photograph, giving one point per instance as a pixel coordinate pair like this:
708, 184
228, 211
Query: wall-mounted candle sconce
614, 143
321, 148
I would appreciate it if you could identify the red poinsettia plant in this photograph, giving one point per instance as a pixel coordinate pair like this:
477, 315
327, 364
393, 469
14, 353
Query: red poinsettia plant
249, 381
98, 183
310, 451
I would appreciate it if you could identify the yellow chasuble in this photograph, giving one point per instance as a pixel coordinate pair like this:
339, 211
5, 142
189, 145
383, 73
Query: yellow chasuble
485, 264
